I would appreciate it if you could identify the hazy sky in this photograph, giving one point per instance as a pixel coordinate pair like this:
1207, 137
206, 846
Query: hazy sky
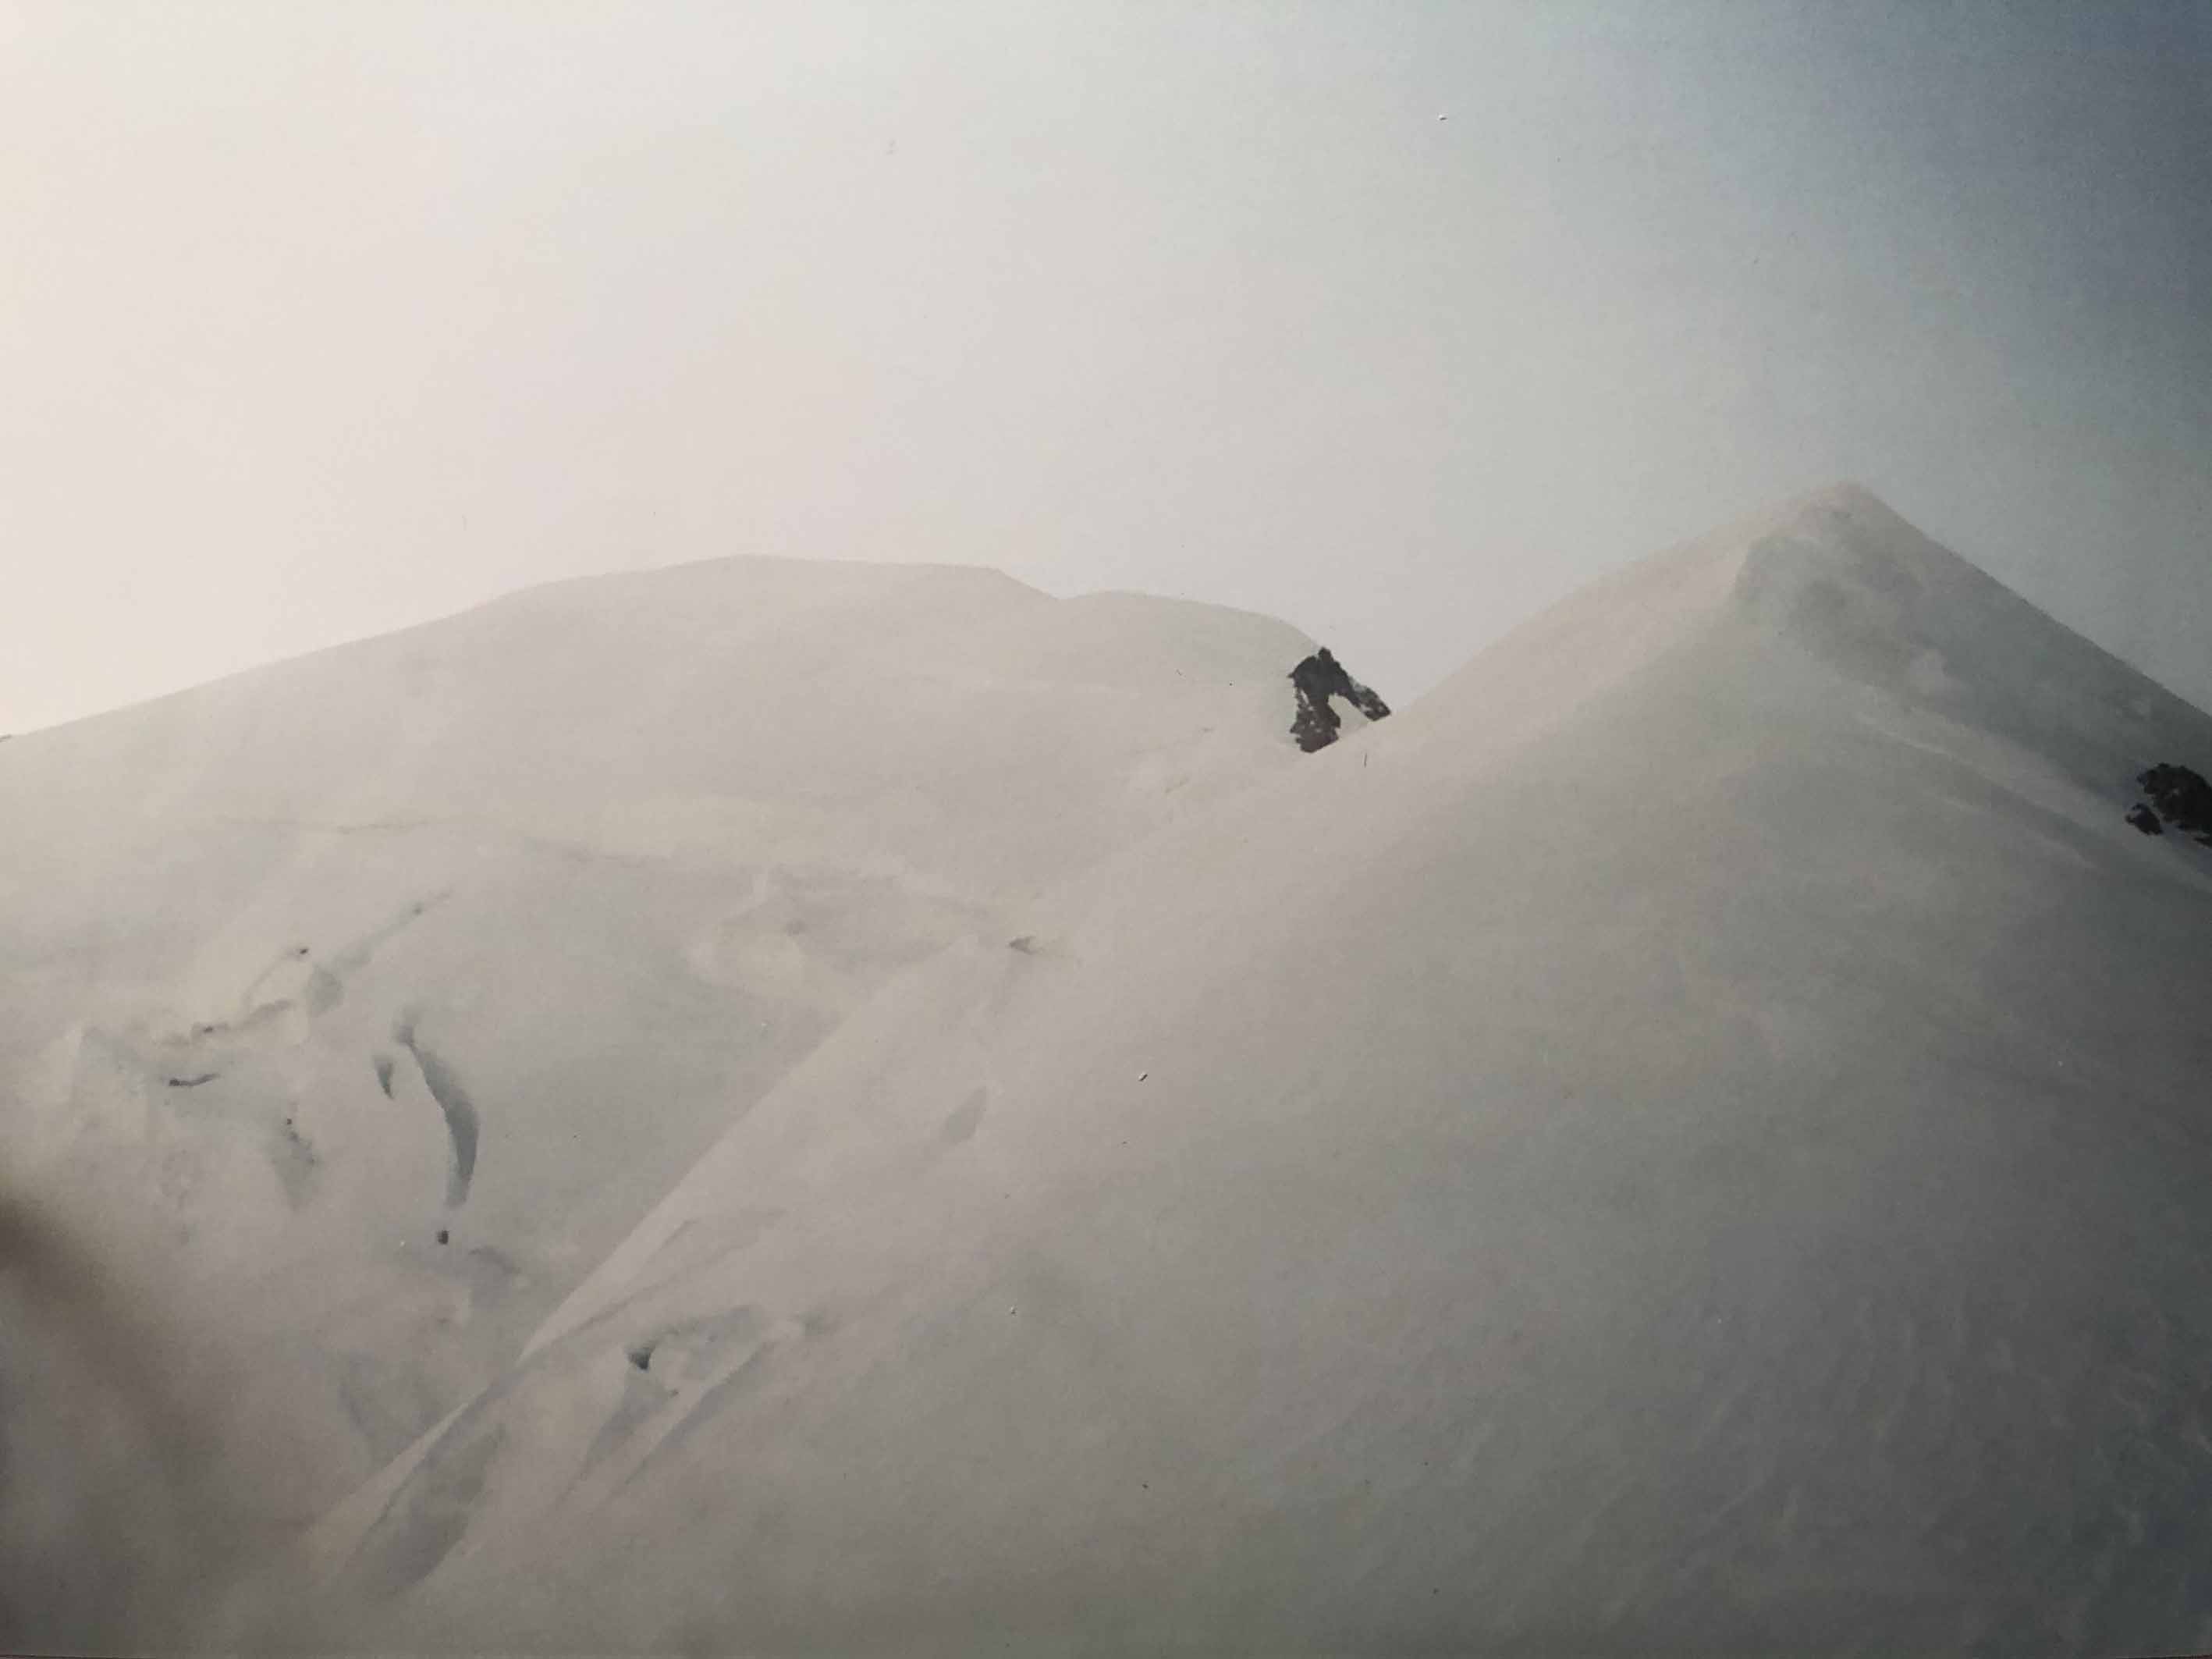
316, 320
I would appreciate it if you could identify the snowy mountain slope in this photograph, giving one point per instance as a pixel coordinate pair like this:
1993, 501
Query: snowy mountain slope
1858, 588
1694, 1136
376, 996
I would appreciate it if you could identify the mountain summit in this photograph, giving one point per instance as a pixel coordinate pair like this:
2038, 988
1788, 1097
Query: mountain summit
1712, 1156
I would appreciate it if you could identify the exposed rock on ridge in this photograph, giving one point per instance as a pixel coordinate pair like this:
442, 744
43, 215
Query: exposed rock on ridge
1318, 678
2175, 795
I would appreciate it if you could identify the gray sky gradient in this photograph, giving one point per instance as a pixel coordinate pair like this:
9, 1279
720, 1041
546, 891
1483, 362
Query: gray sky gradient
318, 320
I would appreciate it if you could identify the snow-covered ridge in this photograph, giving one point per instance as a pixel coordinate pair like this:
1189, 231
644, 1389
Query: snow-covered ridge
425, 967
1689, 1137
1838, 581
1845, 577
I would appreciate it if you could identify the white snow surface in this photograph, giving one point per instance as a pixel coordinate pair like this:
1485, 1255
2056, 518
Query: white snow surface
1692, 1136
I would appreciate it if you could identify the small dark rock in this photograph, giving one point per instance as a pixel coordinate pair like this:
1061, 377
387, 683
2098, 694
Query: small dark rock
2181, 797
2144, 819
641, 1356
1318, 678
445, 1235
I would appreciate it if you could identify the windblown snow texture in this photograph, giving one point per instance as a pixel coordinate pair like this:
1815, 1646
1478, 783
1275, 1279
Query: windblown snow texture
463, 1124
1734, 1183
563, 822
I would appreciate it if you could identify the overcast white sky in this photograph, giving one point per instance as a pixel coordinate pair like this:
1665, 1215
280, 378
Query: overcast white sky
316, 320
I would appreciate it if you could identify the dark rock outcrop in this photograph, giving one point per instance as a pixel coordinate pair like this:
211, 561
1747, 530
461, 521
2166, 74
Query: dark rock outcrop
2180, 797
2144, 819
1319, 678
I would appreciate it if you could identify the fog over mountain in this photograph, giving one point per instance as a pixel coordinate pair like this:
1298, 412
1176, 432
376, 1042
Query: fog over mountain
767, 1106
1405, 321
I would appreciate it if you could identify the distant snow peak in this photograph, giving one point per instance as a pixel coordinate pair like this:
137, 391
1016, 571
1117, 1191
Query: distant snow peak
1318, 678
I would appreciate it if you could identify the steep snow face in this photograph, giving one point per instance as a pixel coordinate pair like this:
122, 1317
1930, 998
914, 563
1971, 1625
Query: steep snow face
1690, 1137
1874, 599
373, 998
1848, 584
1712, 1159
